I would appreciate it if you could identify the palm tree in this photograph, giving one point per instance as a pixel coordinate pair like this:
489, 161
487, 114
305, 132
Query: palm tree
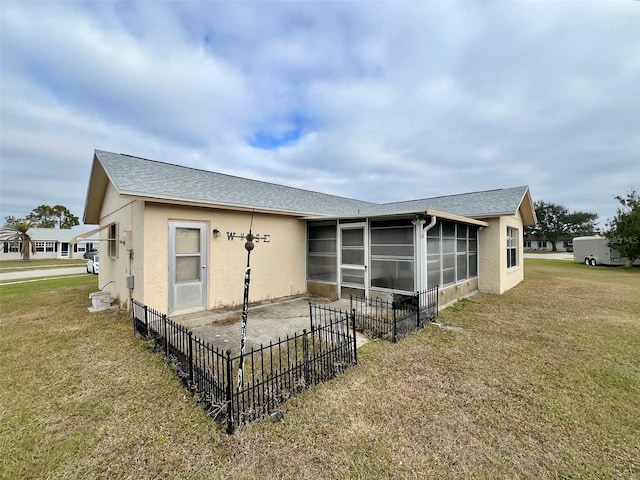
19, 233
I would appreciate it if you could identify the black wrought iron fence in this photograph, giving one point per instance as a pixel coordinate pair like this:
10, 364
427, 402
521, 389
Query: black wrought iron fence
392, 319
272, 373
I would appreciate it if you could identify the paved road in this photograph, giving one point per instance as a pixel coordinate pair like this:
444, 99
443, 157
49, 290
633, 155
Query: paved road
551, 255
44, 272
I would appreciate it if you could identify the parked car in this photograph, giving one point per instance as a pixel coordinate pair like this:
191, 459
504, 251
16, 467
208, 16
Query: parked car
90, 253
93, 265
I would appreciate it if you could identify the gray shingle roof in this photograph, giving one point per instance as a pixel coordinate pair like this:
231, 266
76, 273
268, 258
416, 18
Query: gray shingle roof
141, 177
474, 204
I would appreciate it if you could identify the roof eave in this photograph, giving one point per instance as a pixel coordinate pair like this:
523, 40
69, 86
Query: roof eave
204, 204
98, 181
456, 218
429, 212
529, 212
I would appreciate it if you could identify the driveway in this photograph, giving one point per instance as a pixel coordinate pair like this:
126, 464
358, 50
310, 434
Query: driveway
268, 321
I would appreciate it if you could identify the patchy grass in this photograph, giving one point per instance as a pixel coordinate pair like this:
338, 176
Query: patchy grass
230, 320
543, 382
35, 264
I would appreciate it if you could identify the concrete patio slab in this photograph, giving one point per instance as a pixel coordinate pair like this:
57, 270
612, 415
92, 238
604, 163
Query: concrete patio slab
266, 322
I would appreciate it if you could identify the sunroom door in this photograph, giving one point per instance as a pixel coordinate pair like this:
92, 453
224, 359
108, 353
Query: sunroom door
187, 267
353, 258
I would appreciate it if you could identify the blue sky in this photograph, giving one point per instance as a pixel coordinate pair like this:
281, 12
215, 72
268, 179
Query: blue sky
380, 101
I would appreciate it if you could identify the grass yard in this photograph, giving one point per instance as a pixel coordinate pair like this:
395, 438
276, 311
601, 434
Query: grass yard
541, 382
34, 264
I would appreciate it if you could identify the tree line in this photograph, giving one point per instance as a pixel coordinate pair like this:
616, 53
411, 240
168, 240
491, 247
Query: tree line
46, 216
556, 222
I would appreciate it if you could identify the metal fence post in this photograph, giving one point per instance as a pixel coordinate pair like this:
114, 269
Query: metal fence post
355, 344
229, 393
305, 356
164, 330
417, 302
146, 321
190, 358
394, 333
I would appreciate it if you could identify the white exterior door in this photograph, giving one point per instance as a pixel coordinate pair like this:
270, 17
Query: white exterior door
353, 257
187, 267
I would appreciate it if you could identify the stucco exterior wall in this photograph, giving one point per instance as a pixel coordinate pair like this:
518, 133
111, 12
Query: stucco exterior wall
493, 275
490, 258
453, 293
114, 270
514, 275
320, 289
135, 266
277, 266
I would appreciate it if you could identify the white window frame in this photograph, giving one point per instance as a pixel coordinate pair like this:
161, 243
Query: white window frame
112, 240
512, 247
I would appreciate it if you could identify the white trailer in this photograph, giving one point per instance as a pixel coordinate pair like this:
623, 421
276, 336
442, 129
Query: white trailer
595, 250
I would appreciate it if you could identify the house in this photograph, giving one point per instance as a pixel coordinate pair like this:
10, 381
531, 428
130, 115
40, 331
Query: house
173, 238
563, 245
52, 243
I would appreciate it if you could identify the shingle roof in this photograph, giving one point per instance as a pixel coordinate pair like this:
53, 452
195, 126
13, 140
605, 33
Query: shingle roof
142, 177
149, 178
474, 204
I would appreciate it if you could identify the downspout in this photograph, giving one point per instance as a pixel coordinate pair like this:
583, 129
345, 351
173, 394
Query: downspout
426, 228
432, 224
421, 251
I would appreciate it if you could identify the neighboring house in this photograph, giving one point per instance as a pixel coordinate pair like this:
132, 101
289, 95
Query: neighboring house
51, 243
564, 245
173, 238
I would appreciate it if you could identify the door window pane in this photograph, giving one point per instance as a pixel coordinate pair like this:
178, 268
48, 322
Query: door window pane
353, 276
187, 268
353, 237
187, 240
352, 246
352, 256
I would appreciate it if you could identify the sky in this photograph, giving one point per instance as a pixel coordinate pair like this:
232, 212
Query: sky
378, 101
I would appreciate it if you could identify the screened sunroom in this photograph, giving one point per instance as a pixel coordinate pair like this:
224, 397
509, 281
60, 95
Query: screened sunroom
402, 255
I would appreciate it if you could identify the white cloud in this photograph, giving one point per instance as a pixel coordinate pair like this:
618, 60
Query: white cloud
394, 101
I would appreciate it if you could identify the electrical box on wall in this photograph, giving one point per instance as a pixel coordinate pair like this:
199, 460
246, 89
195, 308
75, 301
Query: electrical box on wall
128, 240
129, 282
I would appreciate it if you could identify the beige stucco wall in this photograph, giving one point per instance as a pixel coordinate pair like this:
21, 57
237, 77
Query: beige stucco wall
321, 289
126, 212
453, 293
494, 277
277, 267
514, 275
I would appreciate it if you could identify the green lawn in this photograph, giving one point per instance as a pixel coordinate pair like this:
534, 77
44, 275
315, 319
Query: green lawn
34, 264
541, 382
